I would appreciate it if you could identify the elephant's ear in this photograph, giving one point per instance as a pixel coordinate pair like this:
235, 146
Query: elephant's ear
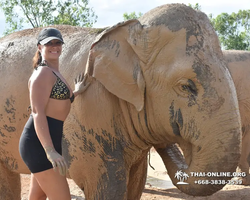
113, 62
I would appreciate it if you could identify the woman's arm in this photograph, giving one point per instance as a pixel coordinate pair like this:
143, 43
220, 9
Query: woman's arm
41, 84
40, 87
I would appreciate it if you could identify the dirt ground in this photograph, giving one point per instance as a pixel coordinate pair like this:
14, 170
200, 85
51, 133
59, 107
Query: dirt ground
152, 193
158, 187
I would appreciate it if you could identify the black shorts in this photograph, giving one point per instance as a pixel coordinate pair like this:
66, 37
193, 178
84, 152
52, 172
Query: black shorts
32, 151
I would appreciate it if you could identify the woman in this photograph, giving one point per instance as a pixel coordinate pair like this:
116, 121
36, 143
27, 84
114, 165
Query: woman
50, 98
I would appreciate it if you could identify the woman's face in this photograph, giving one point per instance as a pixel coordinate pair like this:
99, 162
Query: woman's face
51, 50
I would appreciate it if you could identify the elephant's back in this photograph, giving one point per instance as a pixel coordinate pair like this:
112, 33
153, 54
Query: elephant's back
17, 50
238, 63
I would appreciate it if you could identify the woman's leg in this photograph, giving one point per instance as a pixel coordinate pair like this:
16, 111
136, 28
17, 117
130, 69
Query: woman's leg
36, 193
53, 184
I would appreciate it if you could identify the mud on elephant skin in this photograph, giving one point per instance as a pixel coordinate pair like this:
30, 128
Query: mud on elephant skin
238, 63
155, 80
239, 67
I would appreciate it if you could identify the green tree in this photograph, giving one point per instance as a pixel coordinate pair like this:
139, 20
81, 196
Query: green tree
197, 6
39, 13
233, 30
132, 15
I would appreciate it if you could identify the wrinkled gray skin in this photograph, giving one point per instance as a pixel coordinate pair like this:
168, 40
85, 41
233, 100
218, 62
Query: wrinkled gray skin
158, 81
238, 63
239, 67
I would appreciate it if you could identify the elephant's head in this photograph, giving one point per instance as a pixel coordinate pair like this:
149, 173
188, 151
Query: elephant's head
167, 69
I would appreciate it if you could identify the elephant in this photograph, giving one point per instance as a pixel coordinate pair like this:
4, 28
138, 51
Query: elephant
160, 79
238, 63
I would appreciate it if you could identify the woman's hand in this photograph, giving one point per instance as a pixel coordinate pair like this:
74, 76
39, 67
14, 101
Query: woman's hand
56, 160
81, 84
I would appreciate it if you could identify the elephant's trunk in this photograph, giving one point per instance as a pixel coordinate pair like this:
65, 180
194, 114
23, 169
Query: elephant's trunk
199, 180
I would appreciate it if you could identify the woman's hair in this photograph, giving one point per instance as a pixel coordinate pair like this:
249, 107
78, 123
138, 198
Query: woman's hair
37, 59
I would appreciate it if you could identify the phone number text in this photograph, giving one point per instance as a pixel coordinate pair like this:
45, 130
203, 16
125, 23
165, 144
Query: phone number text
218, 182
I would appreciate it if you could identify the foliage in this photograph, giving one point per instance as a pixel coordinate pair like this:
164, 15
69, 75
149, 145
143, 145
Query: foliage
195, 7
132, 15
233, 30
39, 13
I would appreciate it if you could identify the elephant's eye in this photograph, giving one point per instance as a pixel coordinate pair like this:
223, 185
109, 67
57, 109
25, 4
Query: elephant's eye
186, 88
190, 87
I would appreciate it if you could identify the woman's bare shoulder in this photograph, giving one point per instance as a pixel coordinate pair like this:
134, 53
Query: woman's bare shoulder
42, 75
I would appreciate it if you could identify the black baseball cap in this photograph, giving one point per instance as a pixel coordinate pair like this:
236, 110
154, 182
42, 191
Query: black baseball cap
49, 34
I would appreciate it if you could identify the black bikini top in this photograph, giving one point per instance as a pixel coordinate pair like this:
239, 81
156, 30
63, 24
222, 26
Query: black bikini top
60, 90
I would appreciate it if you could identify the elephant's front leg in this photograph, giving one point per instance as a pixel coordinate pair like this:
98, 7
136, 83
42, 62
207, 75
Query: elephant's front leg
10, 184
103, 178
137, 179
244, 164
